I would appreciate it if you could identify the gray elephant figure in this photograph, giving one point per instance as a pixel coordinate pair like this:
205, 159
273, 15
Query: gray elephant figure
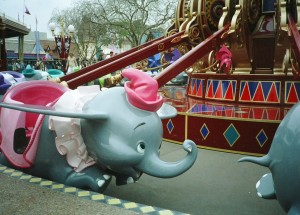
83, 137
283, 160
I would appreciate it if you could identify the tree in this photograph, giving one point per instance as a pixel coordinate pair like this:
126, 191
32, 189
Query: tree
132, 19
104, 22
88, 35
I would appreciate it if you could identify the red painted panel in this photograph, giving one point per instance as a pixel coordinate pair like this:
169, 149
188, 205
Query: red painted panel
248, 131
210, 92
259, 95
257, 113
200, 89
273, 114
243, 113
219, 91
190, 88
229, 112
229, 92
246, 93
273, 97
178, 132
194, 88
292, 97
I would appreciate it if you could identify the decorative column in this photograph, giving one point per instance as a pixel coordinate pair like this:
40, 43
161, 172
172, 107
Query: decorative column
21, 48
3, 56
63, 42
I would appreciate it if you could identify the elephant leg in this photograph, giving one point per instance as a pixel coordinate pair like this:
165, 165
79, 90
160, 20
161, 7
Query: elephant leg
122, 179
91, 178
5, 162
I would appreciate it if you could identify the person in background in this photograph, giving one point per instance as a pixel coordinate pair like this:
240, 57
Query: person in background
101, 56
49, 60
71, 63
18, 66
14, 65
22, 66
111, 54
39, 65
58, 65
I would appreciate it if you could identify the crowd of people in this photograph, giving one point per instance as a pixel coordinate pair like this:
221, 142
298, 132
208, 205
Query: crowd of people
72, 65
47, 62
39, 64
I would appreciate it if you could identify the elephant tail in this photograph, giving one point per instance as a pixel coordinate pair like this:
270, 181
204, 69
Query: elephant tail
263, 161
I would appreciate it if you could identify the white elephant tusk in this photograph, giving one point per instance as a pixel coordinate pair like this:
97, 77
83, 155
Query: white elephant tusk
106, 177
130, 180
100, 183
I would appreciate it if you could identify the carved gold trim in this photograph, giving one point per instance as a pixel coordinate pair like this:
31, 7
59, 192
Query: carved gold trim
161, 46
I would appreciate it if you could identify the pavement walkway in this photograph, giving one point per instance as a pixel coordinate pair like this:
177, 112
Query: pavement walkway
216, 184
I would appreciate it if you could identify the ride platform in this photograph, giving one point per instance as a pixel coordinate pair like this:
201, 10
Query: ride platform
232, 113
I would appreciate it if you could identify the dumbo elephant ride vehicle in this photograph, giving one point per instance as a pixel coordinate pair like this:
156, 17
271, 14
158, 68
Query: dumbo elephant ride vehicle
75, 138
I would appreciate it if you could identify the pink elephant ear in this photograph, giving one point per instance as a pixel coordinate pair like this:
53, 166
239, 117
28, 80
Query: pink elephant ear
142, 90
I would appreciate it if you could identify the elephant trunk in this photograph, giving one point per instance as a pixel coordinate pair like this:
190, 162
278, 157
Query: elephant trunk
158, 168
263, 161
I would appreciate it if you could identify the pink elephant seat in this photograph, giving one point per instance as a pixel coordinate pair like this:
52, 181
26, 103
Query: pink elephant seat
20, 130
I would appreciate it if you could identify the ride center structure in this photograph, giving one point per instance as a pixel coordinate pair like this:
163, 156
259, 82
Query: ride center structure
234, 101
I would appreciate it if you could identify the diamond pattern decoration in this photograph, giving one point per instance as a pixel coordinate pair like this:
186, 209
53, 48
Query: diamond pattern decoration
130, 205
114, 201
147, 209
204, 131
170, 126
35, 180
261, 138
231, 134
46, 183
57, 186
70, 190
83, 193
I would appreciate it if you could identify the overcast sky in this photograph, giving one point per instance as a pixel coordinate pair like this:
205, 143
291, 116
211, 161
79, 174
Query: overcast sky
40, 9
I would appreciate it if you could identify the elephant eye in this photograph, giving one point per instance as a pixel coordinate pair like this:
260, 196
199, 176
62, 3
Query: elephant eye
141, 148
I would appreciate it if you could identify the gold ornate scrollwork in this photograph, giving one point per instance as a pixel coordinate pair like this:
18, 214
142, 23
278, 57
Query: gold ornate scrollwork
237, 27
192, 29
171, 29
286, 61
224, 18
298, 14
176, 40
201, 67
228, 12
194, 34
295, 68
163, 60
290, 62
213, 63
160, 46
281, 20
183, 48
142, 65
171, 32
294, 64
294, 10
214, 11
253, 12
282, 16
187, 15
197, 67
